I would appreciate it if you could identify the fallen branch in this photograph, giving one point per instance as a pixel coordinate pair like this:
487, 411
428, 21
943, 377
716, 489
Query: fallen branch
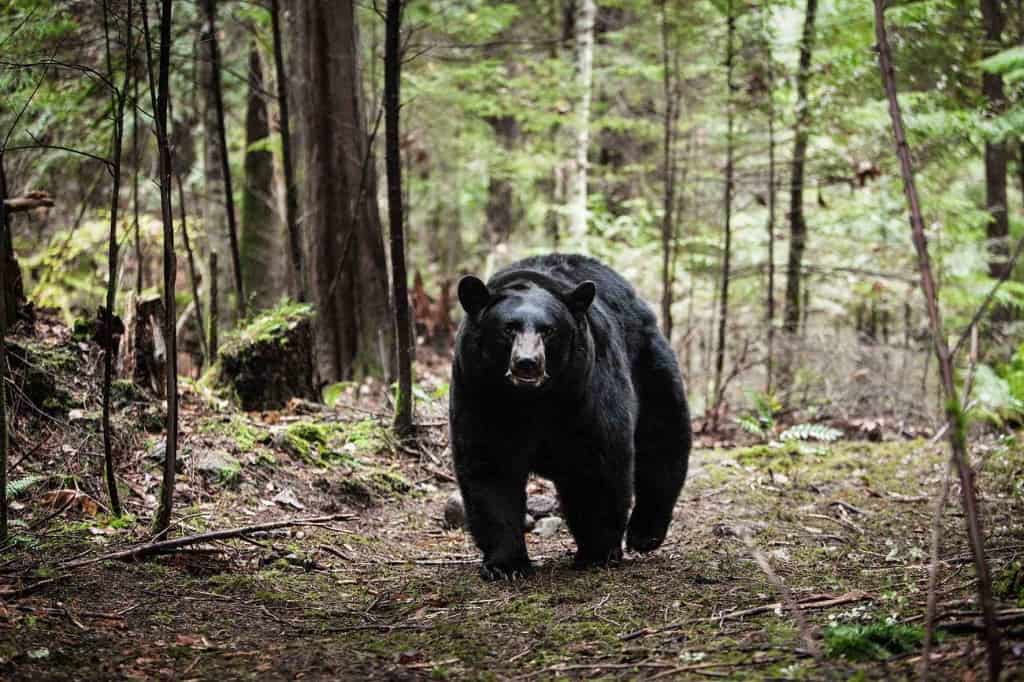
141, 551
787, 596
1003, 619
30, 201
809, 603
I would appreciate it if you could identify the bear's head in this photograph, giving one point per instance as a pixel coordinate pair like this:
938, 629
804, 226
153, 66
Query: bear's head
525, 332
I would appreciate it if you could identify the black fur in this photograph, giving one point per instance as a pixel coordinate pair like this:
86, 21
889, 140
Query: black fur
608, 420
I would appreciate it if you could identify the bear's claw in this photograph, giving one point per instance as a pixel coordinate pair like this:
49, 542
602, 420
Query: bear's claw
516, 571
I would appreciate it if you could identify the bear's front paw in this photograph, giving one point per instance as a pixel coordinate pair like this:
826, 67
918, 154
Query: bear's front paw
513, 570
612, 557
643, 544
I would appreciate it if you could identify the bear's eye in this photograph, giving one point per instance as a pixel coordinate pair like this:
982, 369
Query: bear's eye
509, 329
546, 332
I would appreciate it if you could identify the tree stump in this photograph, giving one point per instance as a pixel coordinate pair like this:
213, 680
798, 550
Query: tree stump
144, 350
270, 360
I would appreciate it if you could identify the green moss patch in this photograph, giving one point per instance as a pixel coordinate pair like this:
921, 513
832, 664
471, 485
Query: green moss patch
875, 641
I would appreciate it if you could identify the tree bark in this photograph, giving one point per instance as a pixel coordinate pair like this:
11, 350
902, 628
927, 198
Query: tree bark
210, 10
160, 95
193, 273
213, 342
354, 330
954, 411
393, 152
797, 225
3, 369
291, 202
13, 287
501, 199
997, 229
586, 11
108, 337
140, 274
723, 301
770, 292
261, 245
672, 95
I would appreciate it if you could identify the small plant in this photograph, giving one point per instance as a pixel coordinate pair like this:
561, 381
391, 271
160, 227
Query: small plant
819, 432
874, 641
20, 486
761, 421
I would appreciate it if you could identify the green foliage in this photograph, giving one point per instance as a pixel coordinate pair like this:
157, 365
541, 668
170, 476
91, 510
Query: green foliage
820, 432
874, 641
761, 420
993, 396
22, 485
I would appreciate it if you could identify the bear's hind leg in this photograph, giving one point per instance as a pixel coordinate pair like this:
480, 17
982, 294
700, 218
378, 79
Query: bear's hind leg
662, 444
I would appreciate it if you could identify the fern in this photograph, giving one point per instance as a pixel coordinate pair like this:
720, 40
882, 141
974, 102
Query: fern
826, 434
21, 485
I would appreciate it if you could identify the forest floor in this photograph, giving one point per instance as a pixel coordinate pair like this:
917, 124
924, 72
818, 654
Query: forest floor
384, 591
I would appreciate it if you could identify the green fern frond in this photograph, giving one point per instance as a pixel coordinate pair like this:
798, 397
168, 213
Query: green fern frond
820, 432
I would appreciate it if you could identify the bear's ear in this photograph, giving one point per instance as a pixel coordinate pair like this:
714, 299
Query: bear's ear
473, 294
580, 298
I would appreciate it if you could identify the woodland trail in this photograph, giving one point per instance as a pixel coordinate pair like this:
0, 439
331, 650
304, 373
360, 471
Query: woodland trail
387, 593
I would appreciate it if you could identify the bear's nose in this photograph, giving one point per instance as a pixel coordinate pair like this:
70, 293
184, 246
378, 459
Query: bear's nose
526, 365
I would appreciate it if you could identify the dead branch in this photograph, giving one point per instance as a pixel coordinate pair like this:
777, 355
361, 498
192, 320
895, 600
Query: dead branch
141, 551
954, 410
29, 202
798, 615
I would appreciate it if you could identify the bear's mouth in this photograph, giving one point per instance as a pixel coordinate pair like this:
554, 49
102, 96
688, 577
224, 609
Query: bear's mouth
527, 379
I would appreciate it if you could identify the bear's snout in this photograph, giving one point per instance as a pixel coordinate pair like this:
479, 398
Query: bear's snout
526, 363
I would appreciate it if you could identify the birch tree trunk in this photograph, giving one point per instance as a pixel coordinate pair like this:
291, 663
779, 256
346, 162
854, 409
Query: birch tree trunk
586, 11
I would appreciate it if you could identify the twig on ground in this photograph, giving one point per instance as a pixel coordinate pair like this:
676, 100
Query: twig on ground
142, 551
933, 570
787, 596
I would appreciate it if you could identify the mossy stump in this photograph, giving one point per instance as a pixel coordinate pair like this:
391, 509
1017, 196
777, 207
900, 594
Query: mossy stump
270, 360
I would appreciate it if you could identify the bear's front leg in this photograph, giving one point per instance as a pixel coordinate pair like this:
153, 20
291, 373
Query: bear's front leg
495, 510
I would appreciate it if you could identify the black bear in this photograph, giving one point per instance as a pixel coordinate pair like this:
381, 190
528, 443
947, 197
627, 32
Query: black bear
560, 370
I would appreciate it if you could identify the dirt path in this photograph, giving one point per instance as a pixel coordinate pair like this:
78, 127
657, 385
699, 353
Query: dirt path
390, 594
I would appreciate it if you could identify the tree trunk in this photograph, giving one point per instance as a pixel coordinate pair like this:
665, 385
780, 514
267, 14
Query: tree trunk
501, 199
586, 12
214, 218
954, 412
393, 152
723, 301
13, 290
997, 229
291, 202
140, 273
354, 330
770, 289
210, 10
670, 88
160, 95
261, 244
797, 226
107, 335
3, 368
193, 273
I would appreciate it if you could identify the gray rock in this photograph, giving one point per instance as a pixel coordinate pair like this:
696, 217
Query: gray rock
219, 467
454, 511
539, 506
529, 523
548, 526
